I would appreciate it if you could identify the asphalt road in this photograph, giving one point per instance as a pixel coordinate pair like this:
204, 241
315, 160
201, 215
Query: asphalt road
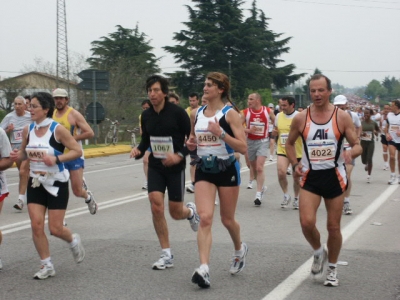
121, 244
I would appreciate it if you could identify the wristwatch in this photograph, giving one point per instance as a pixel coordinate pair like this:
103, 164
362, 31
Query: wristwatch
223, 135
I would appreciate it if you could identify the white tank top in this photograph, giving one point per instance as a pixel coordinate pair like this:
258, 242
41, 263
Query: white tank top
393, 123
322, 144
207, 143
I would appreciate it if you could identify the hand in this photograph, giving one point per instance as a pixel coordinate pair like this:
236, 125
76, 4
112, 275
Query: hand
135, 152
49, 160
10, 127
388, 137
171, 159
214, 127
298, 171
191, 143
252, 129
14, 155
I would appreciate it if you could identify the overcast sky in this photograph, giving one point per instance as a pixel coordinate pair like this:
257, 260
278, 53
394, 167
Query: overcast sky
351, 41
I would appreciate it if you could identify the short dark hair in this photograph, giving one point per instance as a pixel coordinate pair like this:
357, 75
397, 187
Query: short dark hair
319, 76
191, 95
289, 99
146, 101
397, 103
28, 97
163, 83
46, 101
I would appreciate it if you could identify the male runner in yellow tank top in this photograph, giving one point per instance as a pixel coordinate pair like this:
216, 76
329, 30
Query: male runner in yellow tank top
283, 121
80, 129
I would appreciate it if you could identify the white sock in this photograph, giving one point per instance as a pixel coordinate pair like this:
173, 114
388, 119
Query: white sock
286, 196
167, 251
240, 252
393, 174
88, 198
346, 199
332, 265
22, 197
46, 261
191, 213
204, 267
319, 251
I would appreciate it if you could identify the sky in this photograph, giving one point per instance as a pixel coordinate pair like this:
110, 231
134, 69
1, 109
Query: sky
350, 41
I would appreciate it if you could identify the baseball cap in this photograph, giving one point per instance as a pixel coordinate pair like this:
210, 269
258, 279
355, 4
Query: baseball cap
339, 100
60, 93
277, 107
271, 105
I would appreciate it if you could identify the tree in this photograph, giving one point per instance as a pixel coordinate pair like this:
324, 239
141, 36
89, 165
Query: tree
127, 55
218, 39
10, 89
375, 89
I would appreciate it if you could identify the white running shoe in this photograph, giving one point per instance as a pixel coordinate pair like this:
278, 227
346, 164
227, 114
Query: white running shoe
331, 277
195, 219
250, 185
385, 167
19, 205
190, 188
164, 262
45, 272
318, 265
144, 187
216, 202
296, 203
239, 262
286, 201
391, 181
347, 209
92, 205
289, 171
78, 251
201, 278
368, 179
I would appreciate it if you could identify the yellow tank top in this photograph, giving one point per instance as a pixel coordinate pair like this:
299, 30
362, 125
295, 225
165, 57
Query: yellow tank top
283, 123
63, 120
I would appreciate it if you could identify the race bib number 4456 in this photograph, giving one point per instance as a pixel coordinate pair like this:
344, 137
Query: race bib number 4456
161, 145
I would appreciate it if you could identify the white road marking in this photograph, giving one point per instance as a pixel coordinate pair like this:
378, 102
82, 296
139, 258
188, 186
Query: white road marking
291, 283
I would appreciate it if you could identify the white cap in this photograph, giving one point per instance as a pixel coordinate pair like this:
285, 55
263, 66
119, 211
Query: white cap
60, 93
271, 105
339, 100
277, 107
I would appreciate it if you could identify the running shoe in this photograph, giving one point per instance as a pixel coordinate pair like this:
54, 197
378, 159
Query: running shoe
144, 187
216, 201
331, 277
347, 209
78, 251
385, 167
195, 219
164, 262
1, 265
19, 205
289, 171
239, 262
257, 200
391, 181
398, 179
45, 272
368, 179
91, 203
286, 201
190, 188
319, 262
296, 203
250, 185
201, 278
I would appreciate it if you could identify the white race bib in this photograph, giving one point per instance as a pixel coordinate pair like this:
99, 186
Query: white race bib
36, 153
17, 134
161, 145
321, 151
284, 137
259, 127
394, 128
366, 136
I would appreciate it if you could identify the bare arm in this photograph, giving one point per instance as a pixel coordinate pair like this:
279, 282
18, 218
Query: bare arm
238, 143
296, 126
65, 138
347, 127
86, 130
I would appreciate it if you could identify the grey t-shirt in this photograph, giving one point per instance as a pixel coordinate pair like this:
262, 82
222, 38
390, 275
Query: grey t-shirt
19, 123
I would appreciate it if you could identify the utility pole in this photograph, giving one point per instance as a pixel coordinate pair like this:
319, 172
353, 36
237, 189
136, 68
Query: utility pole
62, 44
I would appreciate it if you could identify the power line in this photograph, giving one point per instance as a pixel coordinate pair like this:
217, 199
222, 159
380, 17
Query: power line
351, 71
346, 5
